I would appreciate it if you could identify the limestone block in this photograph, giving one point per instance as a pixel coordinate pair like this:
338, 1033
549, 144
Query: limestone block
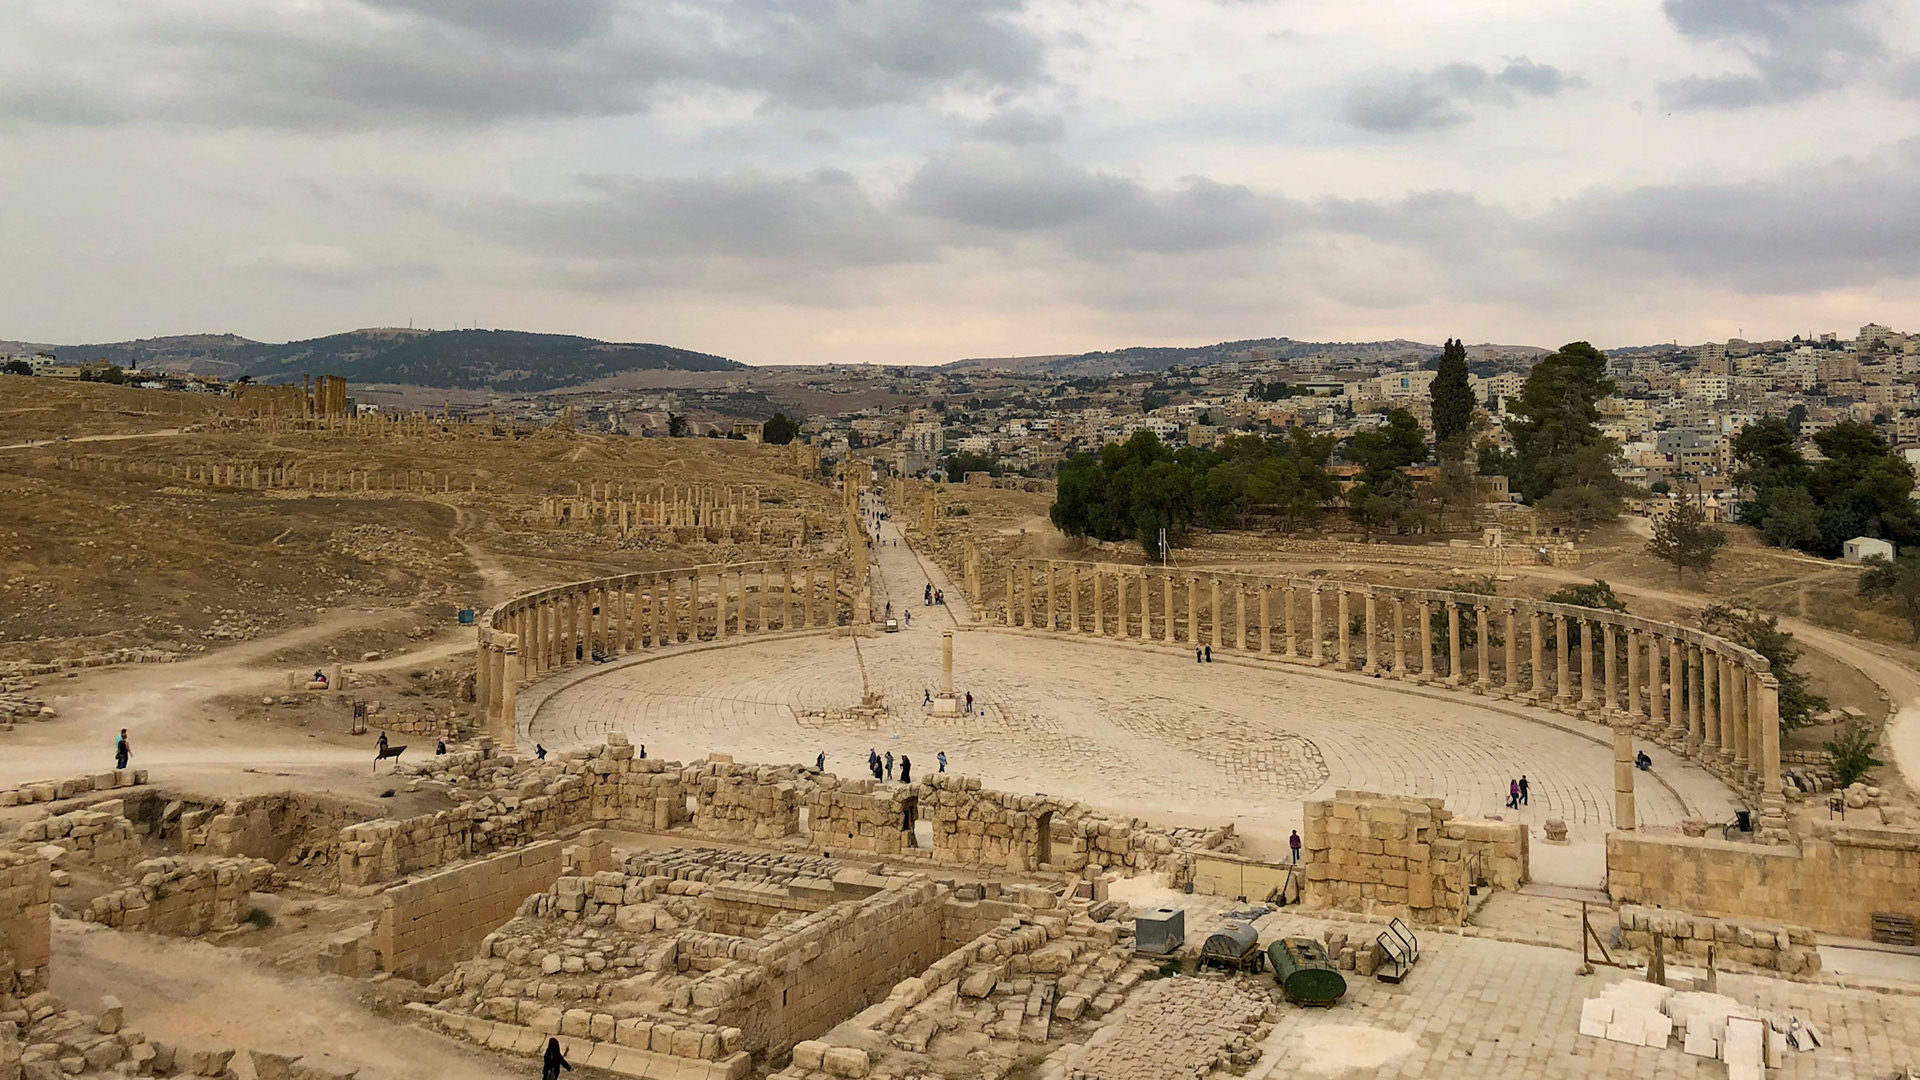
209, 1062
845, 1061
272, 1064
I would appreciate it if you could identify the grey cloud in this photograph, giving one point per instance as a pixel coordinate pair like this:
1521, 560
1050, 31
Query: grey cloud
1003, 191
1427, 100
365, 64
1019, 127
1795, 48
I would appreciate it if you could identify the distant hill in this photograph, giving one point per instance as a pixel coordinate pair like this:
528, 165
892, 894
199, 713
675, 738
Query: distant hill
508, 360
1142, 358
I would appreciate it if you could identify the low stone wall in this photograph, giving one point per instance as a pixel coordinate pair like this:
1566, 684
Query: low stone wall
54, 790
1833, 881
623, 1047
1793, 950
98, 835
26, 922
428, 924
178, 898
1389, 855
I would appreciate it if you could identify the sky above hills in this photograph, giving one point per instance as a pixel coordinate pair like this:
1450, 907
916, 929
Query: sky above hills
920, 180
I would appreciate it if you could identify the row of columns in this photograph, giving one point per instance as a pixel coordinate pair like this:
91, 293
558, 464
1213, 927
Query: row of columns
534, 636
1697, 695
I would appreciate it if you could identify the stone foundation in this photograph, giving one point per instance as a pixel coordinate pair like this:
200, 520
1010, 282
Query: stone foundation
1405, 857
179, 898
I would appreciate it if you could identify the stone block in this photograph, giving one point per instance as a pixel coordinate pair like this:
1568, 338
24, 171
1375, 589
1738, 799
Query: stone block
845, 1061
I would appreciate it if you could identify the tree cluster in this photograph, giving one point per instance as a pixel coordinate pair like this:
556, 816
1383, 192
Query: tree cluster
1560, 460
1863, 488
1136, 489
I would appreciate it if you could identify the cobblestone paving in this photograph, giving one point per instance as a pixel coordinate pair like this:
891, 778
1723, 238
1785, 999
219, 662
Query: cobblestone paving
1139, 729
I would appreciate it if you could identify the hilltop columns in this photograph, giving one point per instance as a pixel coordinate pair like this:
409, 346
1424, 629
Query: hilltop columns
1455, 662
1538, 651
1510, 675
1373, 633
1563, 687
1342, 629
1399, 637
1483, 679
1073, 599
1426, 641
1313, 624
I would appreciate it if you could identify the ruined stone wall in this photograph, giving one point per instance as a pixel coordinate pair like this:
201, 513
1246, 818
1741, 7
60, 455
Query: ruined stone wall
26, 922
1390, 855
52, 790
826, 966
859, 816
1793, 950
428, 924
98, 835
751, 806
1833, 881
178, 898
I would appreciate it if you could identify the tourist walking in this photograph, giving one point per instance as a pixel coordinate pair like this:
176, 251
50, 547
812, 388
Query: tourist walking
906, 769
555, 1061
889, 764
1293, 842
942, 758
1513, 794
1209, 649
121, 753
1523, 789
539, 752
929, 594
1196, 656
820, 763
969, 701
873, 762
929, 697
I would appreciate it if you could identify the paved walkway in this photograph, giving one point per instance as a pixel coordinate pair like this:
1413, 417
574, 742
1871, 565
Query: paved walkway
1136, 729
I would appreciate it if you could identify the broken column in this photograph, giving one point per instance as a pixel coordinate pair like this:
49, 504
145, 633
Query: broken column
946, 703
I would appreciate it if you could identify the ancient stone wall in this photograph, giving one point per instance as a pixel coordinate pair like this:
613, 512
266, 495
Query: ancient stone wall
427, 924
98, 835
177, 897
26, 922
1390, 855
1793, 950
1833, 881
52, 790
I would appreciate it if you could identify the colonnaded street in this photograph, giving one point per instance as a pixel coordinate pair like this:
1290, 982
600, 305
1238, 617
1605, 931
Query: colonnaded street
1139, 729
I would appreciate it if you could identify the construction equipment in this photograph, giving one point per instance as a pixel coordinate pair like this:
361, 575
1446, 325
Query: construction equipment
1160, 932
1305, 975
1236, 946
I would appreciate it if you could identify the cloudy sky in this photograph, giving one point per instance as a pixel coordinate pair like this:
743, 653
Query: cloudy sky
921, 180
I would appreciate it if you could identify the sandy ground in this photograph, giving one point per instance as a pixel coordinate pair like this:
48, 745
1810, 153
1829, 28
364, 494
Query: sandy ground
200, 996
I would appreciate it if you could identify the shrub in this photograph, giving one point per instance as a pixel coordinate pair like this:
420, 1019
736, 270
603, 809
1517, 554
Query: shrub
1852, 749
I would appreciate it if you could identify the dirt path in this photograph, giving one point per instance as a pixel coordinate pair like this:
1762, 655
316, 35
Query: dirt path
31, 443
199, 995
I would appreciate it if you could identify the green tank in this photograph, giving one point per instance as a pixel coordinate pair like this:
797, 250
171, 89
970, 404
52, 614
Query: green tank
1300, 967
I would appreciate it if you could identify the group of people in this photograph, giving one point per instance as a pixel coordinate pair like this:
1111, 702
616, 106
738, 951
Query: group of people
934, 596
1517, 793
1205, 651
883, 766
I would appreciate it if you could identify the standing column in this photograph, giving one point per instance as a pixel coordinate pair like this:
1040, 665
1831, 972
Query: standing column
1756, 730
1676, 685
1240, 615
766, 587
1623, 810
1737, 710
1052, 588
1509, 676
786, 595
1009, 613
1292, 639
807, 603
1099, 602
1772, 804
1399, 636
1563, 692
1483, 680
662, 614
1538, 654
1313, 623
1266, 619
1027, 586
1373, 633
1588, 631
1213, 612
1656, 700
484, 673
1455, 662
693, 606
1073, 599
1146, 610
1426, 641
1119, 604
1632, 706
503, 739
1343, 629
1710, 704
1166, 607
1193, 610
1610, 669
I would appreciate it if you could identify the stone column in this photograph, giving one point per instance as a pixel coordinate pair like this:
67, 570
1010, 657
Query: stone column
1399, 637
1588, 631
1656, 699
1292, 638
1215, 632
1052, 585
1537, 653
1623, 810
1483, 679
1710, 704
484, 674
1563, 690
1027, 587
1373, 633
1313, 623
786, 596
1266, 619
503, 735
1073, 599
1509, 677
946, 662
1767, 718
1240, 615
693, 606
1756, 730
766, 587
1455, 662
1676, 687
1099, 603
1342, 629
1120, 604
1610, 670
1737, 708
1146, 609
1632, 706
1193, 610
1166, 609
807, 611
1427, 673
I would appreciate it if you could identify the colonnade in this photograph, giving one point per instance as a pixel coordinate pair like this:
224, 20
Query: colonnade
535, 634
1694, 693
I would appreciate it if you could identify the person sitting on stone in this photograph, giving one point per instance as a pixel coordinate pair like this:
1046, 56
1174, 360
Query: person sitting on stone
440, 748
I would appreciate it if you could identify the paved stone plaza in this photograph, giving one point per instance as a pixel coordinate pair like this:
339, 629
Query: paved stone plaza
1138, 729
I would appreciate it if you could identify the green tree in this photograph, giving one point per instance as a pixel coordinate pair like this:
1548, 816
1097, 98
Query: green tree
1898, 581
676, 425
1452, 401
1684, 540
1556, 416
780, 430
960, 464
1453, 486
1793, 521
17, 367
1153, 399
1495, 461
1851, 749
854, 440
1595, 594
1761, 633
